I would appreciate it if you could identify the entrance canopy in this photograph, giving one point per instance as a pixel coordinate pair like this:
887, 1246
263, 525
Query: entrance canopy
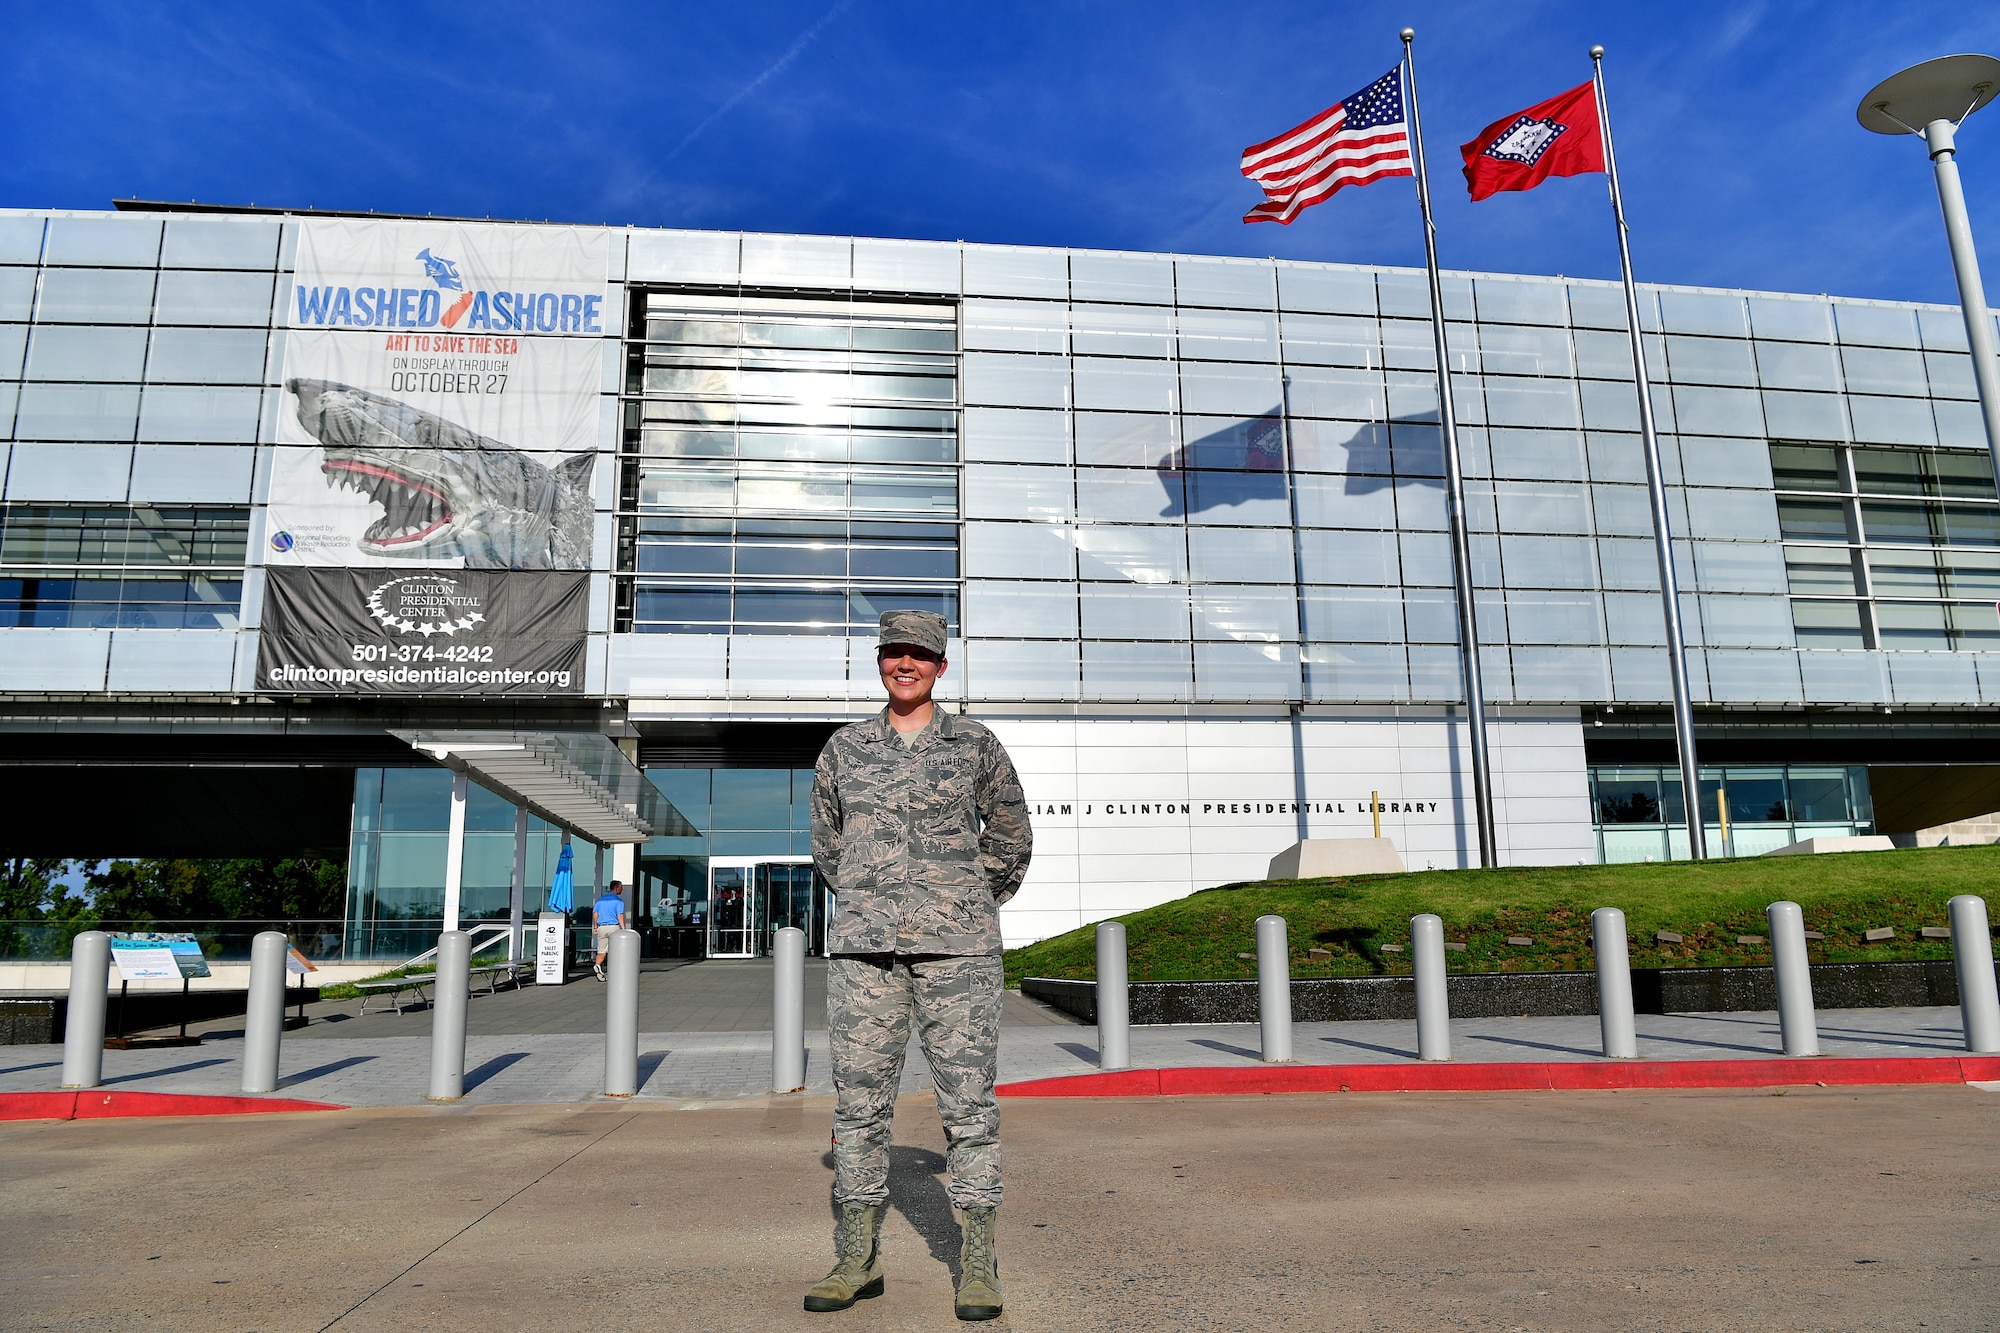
579, 780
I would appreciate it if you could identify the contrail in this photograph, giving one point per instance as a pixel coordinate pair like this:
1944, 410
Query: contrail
776, 67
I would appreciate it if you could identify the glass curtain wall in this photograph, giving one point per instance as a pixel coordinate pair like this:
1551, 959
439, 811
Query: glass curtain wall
1747, 810
396, 861
789, 464
740, 814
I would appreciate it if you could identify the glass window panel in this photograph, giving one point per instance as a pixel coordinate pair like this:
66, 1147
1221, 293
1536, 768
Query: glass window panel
1525, 351
1247, 498
870, 603
214, 298
831, 447
1238, 612
661, 441
1804, 415
1708, 461
878, 448
1132, 386
116, 355
661, 556
76, 412
1230, 389
1407, 344
877, 491
1002, 435
1519, 301
1016, 326
200, 415
1816, 520
1959, 424
998, 670
1243, 285
1228, 335
892, 388
752, 798
906, 266
1419, 505
1805, 467
1368, 558
1138, 554
1710, 360
1016, 381
13, 346
1889, 472
1971, 573
214, 243
1628, 564
1354, 615
1626, 795
1547, 562
1511, 402
1876, 325
1950, 375
1341, 446
1018, 492
774, 488
96, 296
1357, 671
1418, 449
1602, 306
1539, 507
1537, 454
1914, 522
1824, 570
1798, 366
1553, 617
791, 559
1743, 515
1332, 340
1756, 795
416, 799
1797, 320
1703, 312
1904, 573
1124, 611
1882, 370
1345, 502
206, 356
1431, 616
995, 270
681, 605
1356, 395
682, 487
1635, 618
1326, 290
1426, 558
1966, 526
1137, 670
1241, 555
1020, 550
908, 562
1911, 625
1974, 625
1124, 439
1116, 495
1021, 610
1942, 328
819, 607
1622, 511
1819, 795
133, 241
1604, 356
1246, 671
1706, 411
1148, 279
21, 239
1744, 622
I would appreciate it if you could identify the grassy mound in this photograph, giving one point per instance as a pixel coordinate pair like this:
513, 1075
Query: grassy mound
1709, 904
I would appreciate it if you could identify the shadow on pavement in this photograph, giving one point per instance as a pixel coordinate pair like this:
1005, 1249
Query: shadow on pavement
162, 1073
919, 1195
1534, 1045
1087, 1054
1226, 1048
1371, 1046
649, 1064
323, 1070
475, 1077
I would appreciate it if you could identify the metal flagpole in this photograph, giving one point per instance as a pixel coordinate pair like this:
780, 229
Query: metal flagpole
1461, 541
1656, 490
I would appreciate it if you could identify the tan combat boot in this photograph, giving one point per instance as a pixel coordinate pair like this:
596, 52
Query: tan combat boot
858, 1273
978, 1295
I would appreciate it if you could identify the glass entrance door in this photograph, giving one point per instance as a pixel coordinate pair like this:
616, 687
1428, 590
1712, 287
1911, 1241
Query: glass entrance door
786, 890
732, 911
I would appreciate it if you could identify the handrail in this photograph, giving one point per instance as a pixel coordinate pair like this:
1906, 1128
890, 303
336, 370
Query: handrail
493, 935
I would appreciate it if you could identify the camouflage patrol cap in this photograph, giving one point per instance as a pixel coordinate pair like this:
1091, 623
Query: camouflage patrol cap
919, 629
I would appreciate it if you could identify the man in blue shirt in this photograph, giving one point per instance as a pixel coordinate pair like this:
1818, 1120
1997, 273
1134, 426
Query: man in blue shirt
609, 911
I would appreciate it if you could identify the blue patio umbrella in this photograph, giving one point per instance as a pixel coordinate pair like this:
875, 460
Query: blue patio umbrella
563, 891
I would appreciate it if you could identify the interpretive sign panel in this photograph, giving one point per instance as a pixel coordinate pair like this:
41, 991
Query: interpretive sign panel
551, 932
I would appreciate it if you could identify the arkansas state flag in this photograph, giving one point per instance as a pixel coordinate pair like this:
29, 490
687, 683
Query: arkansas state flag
1558, 137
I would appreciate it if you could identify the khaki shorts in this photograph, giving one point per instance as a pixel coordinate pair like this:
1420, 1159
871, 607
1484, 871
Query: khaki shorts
604, 934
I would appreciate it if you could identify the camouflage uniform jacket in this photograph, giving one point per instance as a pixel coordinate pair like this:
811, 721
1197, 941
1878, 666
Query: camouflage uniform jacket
921, 843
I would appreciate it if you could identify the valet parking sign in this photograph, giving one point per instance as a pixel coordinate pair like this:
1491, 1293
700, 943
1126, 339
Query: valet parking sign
431, 512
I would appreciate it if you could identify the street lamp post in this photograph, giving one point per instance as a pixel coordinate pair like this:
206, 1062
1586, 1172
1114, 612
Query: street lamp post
1930, 101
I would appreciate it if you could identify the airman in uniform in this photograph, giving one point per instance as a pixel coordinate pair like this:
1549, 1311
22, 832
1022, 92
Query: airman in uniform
920, 829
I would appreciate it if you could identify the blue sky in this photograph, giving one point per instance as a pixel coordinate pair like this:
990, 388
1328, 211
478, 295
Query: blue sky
1113, 125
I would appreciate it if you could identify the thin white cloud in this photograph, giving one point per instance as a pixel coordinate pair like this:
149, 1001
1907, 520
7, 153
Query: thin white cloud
771, 71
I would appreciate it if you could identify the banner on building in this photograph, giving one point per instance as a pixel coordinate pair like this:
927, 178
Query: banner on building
440, 401
362, 632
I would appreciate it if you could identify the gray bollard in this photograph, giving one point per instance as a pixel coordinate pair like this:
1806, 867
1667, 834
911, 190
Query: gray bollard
83, 1031
788, 1011
1800, 1029
1614, 984
1972, 951
264, 1013
1274, 989
1114, 999
621, 1015
1433, 999
451, 993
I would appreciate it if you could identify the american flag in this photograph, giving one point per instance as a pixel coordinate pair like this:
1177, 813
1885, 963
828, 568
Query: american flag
1358, 140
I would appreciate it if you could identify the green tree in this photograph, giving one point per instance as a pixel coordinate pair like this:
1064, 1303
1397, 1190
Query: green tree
237, 889
31, 887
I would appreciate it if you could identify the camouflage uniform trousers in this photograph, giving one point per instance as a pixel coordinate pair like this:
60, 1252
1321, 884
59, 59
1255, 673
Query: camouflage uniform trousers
956, 1001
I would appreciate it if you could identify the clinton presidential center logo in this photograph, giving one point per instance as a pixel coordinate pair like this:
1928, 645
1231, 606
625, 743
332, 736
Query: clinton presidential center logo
1526, 140
425, 604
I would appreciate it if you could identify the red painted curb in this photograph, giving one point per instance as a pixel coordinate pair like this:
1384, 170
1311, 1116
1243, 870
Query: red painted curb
1522, 1076
96, 1104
